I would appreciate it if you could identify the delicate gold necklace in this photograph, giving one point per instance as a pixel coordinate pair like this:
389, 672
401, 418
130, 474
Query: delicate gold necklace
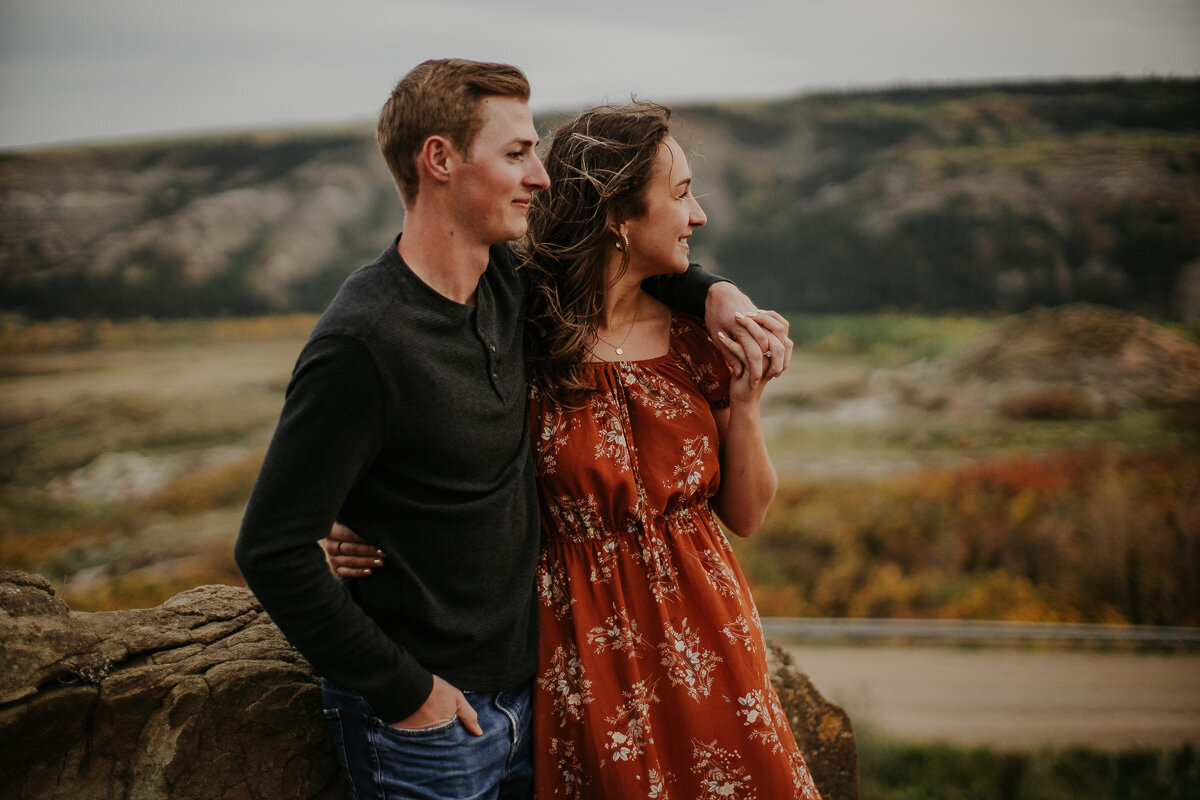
618, 348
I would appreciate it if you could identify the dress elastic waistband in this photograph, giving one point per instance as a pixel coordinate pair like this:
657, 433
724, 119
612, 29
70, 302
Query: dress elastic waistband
580, 521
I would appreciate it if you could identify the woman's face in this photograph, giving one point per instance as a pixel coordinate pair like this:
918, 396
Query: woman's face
658, 238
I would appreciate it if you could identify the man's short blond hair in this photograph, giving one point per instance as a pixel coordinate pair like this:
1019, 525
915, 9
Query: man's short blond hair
439, 97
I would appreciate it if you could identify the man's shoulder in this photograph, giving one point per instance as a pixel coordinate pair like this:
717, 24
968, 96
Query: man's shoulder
361, 301
505, 257
504, 268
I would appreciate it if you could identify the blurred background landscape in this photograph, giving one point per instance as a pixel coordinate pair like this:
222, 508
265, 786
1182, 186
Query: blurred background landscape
993, 413
992, 291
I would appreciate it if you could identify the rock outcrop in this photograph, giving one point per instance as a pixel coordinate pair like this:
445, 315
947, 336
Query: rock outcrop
202, 698
199, 698
1105, 360
822, 729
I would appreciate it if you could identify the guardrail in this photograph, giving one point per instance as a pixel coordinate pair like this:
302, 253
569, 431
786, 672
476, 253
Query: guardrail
950, 630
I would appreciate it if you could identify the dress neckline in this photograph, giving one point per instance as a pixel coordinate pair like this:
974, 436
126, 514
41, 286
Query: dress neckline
650, 360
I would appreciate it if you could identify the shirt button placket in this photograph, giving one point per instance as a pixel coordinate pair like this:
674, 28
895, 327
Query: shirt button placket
491, 357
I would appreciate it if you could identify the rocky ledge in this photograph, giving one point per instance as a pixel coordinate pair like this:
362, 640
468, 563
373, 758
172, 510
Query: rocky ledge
203, 698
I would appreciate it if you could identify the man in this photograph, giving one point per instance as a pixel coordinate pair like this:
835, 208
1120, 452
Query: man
405, 419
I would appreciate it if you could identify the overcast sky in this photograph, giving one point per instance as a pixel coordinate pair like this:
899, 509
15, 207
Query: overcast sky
103, 69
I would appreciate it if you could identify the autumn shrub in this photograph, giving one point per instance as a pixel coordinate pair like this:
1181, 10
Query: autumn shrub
27, 550
1182, 416
150, 586
1048, 402
35, 525
1071, 536
218, 487
21, 335
88, 547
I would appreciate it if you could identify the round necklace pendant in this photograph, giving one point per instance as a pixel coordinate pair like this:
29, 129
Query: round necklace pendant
620, 352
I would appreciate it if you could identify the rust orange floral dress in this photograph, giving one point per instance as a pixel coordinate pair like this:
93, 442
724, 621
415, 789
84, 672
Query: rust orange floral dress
652, 679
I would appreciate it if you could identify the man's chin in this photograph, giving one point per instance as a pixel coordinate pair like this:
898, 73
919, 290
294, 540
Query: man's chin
509, 235
517, 231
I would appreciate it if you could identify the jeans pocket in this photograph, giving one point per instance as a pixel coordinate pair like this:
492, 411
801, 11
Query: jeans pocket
410, 734
334, 717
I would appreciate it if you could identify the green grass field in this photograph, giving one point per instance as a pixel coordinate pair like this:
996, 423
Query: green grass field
898, 771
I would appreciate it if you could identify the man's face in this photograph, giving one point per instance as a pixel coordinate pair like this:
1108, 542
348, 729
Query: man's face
493, 184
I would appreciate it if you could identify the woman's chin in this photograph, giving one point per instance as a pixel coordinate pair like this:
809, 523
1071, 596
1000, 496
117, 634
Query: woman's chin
658, 268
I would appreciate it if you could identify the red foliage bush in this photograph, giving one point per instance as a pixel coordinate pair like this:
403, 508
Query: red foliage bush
1071, 536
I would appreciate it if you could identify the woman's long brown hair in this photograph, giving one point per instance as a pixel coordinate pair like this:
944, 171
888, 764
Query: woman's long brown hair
599, 164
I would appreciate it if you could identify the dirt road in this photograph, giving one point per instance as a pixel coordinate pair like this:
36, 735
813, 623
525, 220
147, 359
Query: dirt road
1013, 698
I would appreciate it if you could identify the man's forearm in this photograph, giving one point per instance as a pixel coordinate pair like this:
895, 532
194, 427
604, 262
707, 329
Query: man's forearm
686, 291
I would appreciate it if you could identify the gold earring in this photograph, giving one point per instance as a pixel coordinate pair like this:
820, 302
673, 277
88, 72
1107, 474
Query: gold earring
624, 241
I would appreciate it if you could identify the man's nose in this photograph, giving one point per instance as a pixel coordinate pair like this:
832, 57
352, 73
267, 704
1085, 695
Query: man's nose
538, 178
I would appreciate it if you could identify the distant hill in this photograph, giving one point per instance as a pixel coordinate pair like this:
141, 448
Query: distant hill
979, 197
220, 225
1003, 196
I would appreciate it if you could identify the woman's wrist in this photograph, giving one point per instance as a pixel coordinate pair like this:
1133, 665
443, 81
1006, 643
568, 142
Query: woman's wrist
744, 411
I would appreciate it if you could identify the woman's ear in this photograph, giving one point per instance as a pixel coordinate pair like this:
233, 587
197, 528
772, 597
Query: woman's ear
620, 235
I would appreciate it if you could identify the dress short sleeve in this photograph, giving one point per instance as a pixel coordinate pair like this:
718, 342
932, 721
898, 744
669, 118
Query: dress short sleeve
702, 359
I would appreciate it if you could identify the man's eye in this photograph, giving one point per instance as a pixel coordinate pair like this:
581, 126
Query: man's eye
517, 155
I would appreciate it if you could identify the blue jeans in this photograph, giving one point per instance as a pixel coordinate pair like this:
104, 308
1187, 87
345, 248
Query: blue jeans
444, 762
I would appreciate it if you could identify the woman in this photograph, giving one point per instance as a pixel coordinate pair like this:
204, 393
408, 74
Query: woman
653, 679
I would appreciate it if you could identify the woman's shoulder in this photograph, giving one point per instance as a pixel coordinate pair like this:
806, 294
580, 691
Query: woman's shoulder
700, 357
688, 333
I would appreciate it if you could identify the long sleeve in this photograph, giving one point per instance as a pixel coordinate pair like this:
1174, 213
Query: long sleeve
685, 292
333, 422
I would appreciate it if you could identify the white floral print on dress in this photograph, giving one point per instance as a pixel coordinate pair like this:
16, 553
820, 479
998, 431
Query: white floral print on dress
570, 769
564, 679
655, 555
632, 718
611, 445
658, 786
690, 470
688, 664
739, 631
556, 429
552, 586
719, 574
620, 635
664, 398
579, 516
720, 776
606, 559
